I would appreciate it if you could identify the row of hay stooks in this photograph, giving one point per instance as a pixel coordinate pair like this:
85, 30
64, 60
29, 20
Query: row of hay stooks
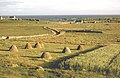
45, 55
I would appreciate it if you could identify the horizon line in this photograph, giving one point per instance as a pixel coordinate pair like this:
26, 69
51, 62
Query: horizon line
57, 14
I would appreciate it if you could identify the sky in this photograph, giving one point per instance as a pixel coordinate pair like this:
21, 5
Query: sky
59, 7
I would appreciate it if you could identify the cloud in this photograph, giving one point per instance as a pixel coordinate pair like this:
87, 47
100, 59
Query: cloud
5, 3
60, 7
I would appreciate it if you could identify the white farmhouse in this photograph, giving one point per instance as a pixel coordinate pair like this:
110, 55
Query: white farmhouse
12, 17
1, 18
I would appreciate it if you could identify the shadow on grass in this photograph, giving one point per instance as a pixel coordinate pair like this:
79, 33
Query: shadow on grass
53, 51
73, 49
70, 48
54, 63
3, 50
84, 31
31, 56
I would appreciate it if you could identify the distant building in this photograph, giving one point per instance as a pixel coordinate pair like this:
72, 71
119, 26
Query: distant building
95, 21
82, 21
1, 18
79, 21
12, 17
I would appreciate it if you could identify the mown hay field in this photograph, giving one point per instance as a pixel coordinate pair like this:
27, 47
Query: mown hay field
100, 57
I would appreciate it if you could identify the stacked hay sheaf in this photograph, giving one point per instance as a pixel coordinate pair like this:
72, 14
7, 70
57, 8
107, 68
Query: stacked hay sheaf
46, 55
37, 45
66, 50
42, 45
28, 46
80, 47
13, 48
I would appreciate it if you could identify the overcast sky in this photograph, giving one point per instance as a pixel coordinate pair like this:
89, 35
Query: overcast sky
59, 7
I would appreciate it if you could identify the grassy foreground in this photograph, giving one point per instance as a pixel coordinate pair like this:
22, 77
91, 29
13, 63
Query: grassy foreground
100, 58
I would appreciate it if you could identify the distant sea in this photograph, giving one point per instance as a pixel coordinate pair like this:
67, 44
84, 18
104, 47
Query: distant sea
63, 17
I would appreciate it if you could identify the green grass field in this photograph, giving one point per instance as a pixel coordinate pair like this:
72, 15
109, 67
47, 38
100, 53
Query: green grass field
100, 58
14, 28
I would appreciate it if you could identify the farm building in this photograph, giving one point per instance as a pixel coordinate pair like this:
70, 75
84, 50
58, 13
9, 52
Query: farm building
79, 21
13, 17
1, 18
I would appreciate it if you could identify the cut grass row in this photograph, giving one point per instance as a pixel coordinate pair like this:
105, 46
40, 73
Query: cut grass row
95, 61
114, 66
81, 38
